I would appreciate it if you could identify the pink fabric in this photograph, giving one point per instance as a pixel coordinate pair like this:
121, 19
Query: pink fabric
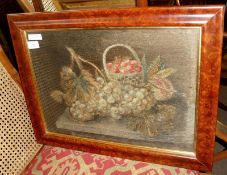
60, 161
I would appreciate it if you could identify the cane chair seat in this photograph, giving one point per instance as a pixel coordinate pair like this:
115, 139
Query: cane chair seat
17, 144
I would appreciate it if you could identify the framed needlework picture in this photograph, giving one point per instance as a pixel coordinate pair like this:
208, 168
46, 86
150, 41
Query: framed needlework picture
135, 83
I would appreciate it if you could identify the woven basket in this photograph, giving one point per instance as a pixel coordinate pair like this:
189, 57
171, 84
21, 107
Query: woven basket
136, 78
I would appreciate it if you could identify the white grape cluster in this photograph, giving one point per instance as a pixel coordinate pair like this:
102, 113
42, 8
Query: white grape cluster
115, 100
83, 111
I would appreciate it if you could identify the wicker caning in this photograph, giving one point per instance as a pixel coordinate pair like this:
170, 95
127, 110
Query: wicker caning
121, 76
48, 5
17, 143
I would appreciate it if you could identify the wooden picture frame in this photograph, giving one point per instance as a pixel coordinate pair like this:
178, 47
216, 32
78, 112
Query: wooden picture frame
196, 31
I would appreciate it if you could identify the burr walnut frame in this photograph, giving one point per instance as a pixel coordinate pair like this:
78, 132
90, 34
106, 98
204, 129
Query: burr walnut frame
209, 18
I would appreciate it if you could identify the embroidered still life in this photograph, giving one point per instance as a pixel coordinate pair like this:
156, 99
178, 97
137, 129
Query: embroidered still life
126, 89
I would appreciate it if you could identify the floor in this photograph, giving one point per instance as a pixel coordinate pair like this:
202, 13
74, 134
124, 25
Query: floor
220, 168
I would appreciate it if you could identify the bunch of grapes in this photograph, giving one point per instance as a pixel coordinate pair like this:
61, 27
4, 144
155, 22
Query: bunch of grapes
83, 111
137, 100
115, 100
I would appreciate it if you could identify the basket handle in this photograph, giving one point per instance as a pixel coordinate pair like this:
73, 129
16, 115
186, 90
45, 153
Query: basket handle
117, 45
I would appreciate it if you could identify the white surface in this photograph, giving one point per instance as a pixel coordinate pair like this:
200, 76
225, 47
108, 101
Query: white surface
33, 44
37, 36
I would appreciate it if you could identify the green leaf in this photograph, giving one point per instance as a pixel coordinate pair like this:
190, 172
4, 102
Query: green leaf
165, 72
145, 68
155, 66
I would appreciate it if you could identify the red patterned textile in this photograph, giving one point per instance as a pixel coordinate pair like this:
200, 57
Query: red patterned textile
60, 161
